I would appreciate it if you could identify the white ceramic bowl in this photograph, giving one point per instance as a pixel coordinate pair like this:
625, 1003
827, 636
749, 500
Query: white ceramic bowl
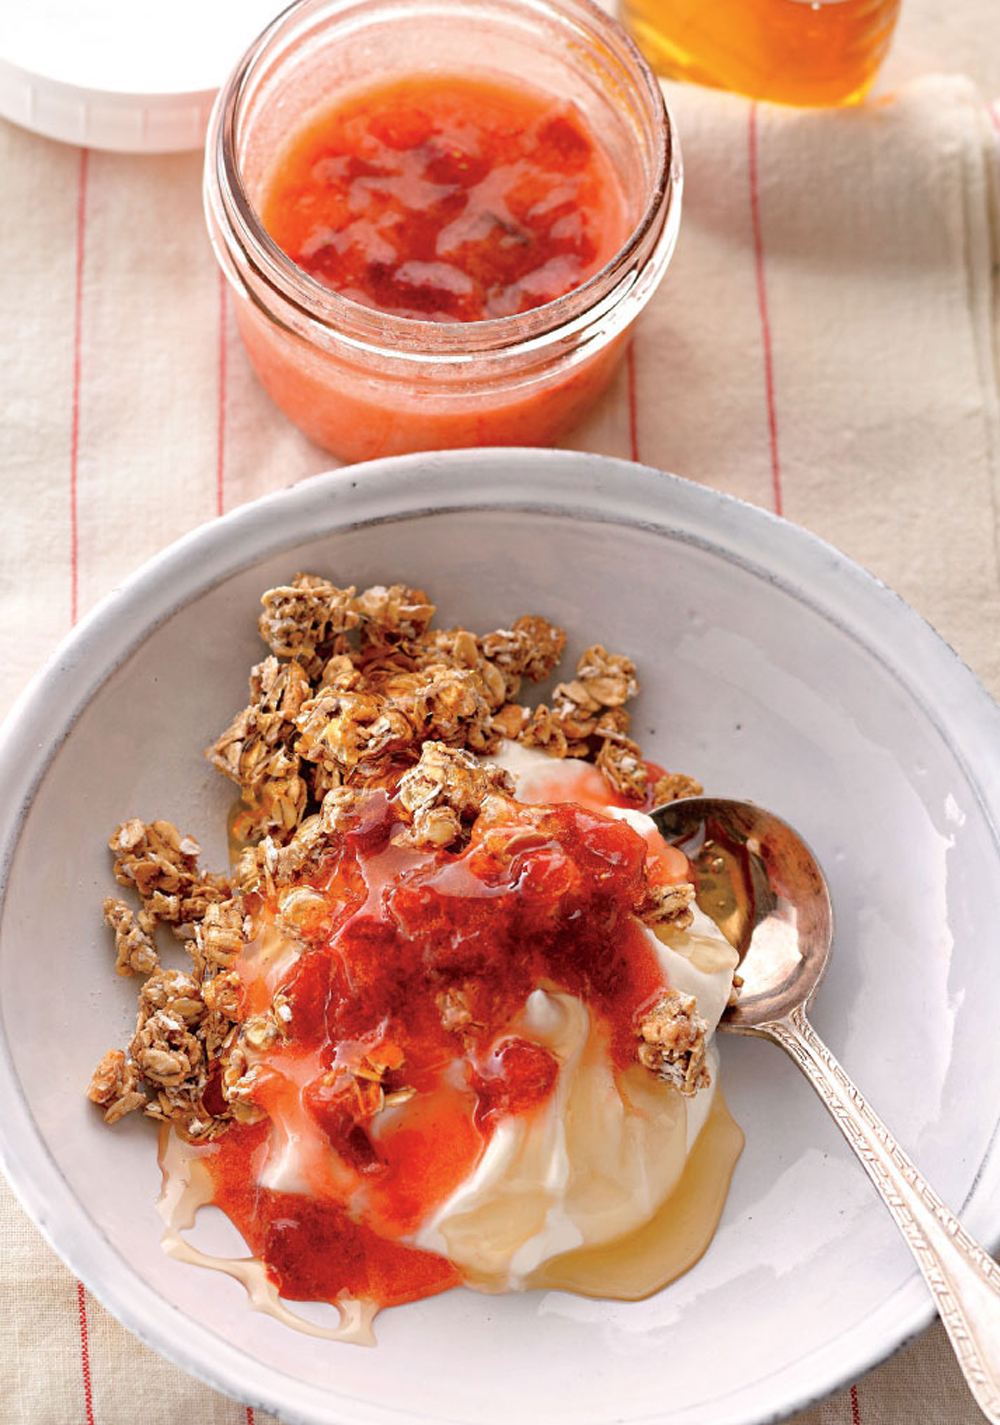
773, 669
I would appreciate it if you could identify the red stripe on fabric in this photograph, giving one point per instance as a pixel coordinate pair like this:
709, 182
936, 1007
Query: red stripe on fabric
220, 459
633, 424
88, 1394
994, 116
765, 320
74, 444
855, 1408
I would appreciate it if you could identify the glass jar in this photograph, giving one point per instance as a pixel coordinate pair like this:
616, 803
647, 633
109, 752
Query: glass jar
365, 383
804, 52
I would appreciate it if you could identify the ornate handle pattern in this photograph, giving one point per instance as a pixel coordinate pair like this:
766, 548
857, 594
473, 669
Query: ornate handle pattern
964, 1280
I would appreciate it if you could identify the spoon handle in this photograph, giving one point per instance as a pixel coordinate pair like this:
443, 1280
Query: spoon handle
963, 1278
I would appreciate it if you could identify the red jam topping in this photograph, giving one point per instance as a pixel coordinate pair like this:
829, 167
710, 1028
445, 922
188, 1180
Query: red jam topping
402, 1047
447, 199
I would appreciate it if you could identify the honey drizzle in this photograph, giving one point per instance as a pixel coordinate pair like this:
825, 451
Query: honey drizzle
647, 1259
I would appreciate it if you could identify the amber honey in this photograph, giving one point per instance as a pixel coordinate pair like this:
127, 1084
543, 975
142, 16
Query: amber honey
806, 52
647, 1259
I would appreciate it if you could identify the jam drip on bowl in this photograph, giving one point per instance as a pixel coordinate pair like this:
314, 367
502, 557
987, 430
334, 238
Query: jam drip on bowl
389, 988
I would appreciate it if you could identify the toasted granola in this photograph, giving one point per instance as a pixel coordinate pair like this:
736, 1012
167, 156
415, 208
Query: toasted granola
135, 951
219, 936
358, 693
622, 764
668, 906
173, 993
544, 730
115, 1086
394, 613
443, 794
674, 785
588, 719
162, 865
302, 619
257, 750
672, 1043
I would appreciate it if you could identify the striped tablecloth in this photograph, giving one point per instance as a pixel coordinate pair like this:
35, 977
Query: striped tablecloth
823, 346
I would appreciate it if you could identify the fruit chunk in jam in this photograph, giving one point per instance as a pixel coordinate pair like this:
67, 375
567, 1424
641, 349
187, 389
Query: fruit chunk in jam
447, 198
404, 1045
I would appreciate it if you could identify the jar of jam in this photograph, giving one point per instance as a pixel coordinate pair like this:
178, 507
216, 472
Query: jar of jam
440, 218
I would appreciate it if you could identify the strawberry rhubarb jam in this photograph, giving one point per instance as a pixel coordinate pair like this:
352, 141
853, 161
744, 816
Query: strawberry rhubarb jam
435, 259
447, 199
441, 1082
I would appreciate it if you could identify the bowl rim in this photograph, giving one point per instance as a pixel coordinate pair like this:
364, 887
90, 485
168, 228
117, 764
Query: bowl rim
569, 484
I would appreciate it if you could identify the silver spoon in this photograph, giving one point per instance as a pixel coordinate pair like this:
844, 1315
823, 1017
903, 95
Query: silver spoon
760, 883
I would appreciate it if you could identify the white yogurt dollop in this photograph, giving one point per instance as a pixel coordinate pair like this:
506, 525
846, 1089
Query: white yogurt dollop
606, 1149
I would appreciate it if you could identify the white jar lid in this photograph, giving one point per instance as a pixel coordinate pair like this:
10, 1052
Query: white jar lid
122, 74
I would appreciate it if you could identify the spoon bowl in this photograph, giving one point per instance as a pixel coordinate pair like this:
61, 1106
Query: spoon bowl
757, 879
761, 884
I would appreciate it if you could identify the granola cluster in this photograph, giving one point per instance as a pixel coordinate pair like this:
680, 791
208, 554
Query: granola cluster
357, 684
162, 866
358, 693
672, 1042
188, 1022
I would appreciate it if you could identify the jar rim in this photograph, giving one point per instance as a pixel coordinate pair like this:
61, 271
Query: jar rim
354, 321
